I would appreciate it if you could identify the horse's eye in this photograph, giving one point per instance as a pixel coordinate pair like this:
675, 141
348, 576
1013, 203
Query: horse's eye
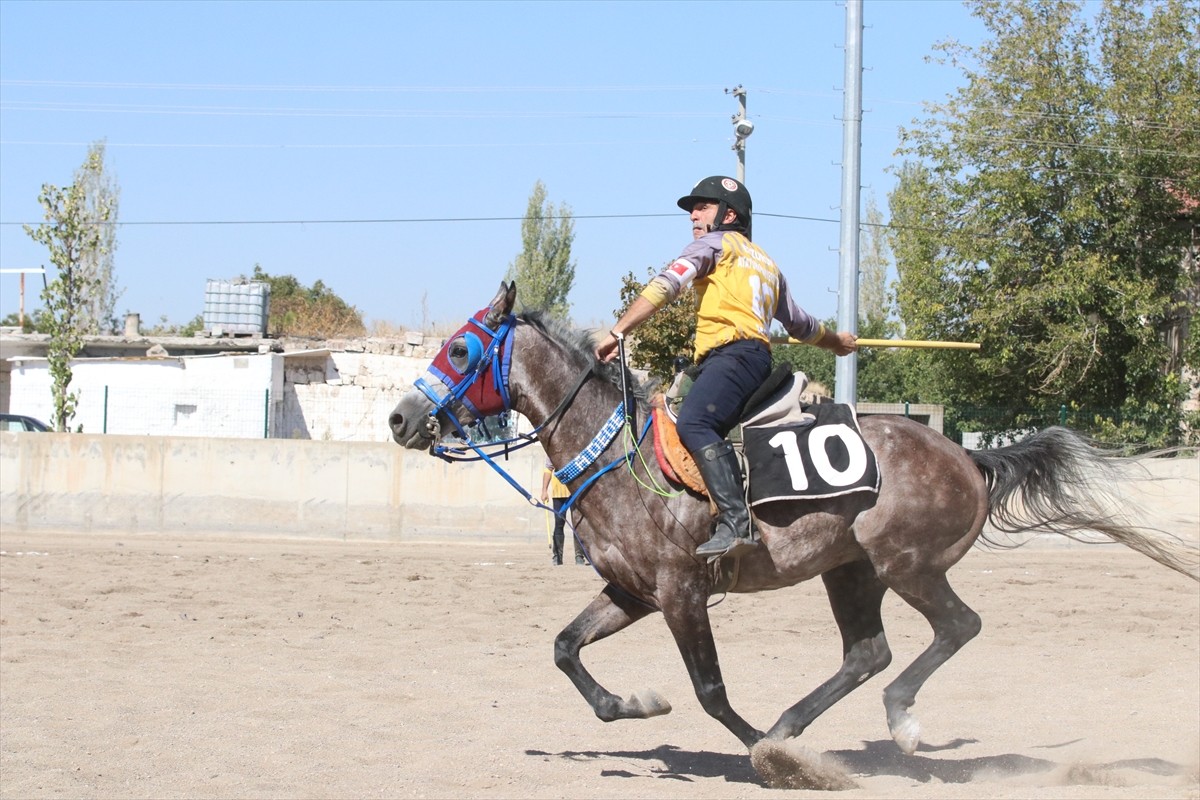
459, 355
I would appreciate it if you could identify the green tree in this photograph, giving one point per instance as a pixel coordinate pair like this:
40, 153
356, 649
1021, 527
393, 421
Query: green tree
102, 201
166, 328
310, 311
1145, 67
874, 304
670, 333
78, 218
818, 365
1037, 213
33, 323
883, 373
543, 270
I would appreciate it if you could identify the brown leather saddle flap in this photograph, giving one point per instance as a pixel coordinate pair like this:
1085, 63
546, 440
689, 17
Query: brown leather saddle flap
673, 459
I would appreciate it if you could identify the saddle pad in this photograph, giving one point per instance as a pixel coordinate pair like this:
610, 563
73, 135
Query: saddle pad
675, 461
827, 458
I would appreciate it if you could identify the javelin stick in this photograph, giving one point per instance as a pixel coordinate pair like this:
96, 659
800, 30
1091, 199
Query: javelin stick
914, 343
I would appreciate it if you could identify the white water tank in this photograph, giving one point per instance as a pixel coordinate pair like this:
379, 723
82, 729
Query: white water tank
236, 307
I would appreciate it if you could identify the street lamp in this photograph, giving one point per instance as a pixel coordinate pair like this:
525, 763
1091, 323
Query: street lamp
742, 128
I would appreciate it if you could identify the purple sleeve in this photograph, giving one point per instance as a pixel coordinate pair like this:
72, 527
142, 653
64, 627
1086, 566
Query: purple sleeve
795, 320
704, 253
701, 254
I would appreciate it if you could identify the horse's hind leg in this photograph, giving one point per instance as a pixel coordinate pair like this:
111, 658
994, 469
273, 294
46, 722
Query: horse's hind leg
954, 624
856, 596
611, 611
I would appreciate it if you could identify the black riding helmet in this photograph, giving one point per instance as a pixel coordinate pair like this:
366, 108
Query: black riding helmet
727, 193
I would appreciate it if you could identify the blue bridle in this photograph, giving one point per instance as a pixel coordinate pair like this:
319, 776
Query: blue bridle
493, 359
496, 354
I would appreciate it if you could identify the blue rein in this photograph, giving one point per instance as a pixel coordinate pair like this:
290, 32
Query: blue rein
576, 467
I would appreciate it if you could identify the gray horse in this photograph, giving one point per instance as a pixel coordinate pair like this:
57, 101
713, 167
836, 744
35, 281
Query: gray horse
931, 507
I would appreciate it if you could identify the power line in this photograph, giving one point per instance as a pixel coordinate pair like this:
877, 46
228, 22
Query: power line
413, 220
1101, 116
347, 146
248, 111
932, 107
1077, 145
419, 220
351, 89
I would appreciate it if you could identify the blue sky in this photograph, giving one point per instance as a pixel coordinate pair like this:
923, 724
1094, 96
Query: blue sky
326, 124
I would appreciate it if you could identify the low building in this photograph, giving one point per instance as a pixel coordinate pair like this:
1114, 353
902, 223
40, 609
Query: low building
225, 387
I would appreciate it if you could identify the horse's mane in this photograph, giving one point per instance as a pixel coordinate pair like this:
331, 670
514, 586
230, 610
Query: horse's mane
579, 342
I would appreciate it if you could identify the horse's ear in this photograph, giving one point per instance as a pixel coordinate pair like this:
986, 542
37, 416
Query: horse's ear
502, 303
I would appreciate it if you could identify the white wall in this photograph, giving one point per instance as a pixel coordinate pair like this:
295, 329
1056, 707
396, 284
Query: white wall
344, 396
222, 395
323, 395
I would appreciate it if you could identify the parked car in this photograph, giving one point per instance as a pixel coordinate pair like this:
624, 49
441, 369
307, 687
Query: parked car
19, 422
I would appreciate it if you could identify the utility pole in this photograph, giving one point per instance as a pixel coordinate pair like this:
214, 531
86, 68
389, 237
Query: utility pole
846, 370
23, 273
742, 128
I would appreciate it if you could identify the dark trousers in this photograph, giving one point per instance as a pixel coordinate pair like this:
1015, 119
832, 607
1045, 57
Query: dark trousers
559, 535
728, 376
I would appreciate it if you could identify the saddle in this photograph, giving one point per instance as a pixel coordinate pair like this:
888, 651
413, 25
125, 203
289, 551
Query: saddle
779, 407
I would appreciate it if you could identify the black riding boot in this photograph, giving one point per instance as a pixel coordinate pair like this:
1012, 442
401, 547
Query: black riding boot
723, 478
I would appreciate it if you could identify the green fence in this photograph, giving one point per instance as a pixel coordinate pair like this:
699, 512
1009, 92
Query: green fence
204, 411
980, 426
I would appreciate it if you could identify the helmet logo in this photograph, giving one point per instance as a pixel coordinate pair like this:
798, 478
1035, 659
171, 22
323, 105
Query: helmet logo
730, 184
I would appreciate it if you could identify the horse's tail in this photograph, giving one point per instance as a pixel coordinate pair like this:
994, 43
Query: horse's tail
1057, 481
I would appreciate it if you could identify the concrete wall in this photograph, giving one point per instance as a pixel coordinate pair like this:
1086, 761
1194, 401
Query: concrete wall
343, 490
268, 487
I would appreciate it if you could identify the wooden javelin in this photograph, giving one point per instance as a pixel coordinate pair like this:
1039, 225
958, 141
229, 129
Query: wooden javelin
916, 343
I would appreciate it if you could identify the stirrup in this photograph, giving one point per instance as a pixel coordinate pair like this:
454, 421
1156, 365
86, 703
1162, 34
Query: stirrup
719, 547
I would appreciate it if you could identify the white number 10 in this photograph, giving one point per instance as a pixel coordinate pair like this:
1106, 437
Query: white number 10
788, 442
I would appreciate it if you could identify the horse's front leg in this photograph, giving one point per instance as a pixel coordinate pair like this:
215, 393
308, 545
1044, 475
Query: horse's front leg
686, 614
610, 612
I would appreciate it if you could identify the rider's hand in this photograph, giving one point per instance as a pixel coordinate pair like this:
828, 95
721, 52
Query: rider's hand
847, 344
606, 349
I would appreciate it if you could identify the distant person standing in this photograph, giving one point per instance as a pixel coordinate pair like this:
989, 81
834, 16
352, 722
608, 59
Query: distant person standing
553, 489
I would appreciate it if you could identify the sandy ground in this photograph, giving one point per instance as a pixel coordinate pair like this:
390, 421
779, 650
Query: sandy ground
160, 667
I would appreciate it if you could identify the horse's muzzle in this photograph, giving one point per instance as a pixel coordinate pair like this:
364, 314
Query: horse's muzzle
413, 436
411, 423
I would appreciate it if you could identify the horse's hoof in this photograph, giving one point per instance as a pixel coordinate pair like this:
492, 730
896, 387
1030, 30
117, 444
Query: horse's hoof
907, 734
647, 703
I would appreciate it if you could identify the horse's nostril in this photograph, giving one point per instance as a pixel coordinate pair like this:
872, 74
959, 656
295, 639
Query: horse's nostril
396, 420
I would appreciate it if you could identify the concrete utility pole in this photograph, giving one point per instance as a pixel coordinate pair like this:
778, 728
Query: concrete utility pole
846, 372
23, 273
742, 128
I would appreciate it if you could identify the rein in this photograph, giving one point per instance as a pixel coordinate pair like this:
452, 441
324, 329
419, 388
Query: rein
500, 344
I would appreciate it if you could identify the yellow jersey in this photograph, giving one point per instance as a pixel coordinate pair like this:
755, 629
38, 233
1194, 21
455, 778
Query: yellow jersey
739, 292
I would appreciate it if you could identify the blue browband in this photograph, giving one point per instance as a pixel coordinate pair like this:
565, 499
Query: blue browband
449, 389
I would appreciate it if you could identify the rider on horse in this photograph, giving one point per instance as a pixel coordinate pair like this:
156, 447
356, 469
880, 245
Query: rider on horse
740, 291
